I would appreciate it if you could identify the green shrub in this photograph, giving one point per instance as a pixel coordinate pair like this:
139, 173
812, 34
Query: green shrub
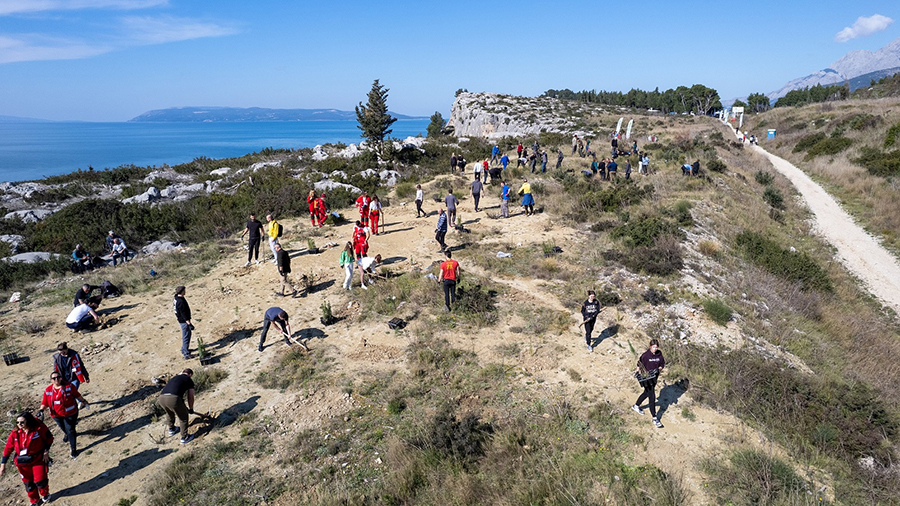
12, 273
644, 230
396, 405
792, 266
891, 137
808, 141
405, 190
716, 165
829, 146
717, 311
773, 197
751, 477
682, 213
461, 439
764, 178
880, 163
662, 258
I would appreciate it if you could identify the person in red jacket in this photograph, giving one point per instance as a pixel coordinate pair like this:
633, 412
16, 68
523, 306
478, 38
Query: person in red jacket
362, 203
312, 200
29, 444
360, 240
60, 398
374, 214
321, 210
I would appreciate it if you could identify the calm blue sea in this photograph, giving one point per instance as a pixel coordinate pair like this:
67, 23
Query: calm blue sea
35, 150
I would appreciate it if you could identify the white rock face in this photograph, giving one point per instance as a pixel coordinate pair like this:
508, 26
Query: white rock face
158, 246
220, 172
389, 177
152, 194
29, 215
493, 116
327, 185
13, 240
319, 153
258, 165
351, 151
31, 257
25, 190
169, 174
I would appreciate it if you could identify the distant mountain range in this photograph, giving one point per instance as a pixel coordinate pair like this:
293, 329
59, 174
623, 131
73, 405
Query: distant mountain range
235, 114
858, 67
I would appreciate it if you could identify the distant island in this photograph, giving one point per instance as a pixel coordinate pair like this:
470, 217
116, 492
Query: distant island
235, 114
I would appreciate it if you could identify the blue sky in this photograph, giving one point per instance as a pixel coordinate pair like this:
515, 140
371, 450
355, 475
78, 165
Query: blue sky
110, 60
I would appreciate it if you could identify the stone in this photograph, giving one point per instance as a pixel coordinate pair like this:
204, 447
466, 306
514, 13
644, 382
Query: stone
13, 240
327, 185
31, 257
259, 165
29, 215
159, 246
220, 172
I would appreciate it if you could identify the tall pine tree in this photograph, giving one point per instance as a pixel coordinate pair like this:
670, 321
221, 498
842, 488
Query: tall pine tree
373, 118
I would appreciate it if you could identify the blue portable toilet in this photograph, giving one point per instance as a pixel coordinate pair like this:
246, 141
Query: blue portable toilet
771, 133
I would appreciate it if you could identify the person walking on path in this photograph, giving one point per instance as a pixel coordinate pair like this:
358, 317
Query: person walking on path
504, 161
544, 161
183, 315
590, 310
495, 154
449, 278
559, 158
453, 163
527, 197
504, 200
171, 399
574, 144
29, 445
481, 168
420, 196
273, 231
62, 399
650, 365
532, 160
67, 363
451, 202
362, 203
312, 200
279, 317
374, 213
441, 230
461, 164
476, 192
284, 270
83, 317
627, 169
519, 149
346, 262
253, 230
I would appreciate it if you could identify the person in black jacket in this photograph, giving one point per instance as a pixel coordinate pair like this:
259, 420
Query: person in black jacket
284, 269
83, 295
171, 399
183, 314
650, 364
590, 310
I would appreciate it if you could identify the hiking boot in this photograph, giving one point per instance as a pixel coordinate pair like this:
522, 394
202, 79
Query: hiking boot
260, 348
46, 499
187, 439
657, 423
637, 409
174, 430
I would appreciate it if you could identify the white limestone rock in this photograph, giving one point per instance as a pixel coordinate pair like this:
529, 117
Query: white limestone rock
13, 240
259, 165
326, 185
29, 215
158, 246
220, 172
31, 257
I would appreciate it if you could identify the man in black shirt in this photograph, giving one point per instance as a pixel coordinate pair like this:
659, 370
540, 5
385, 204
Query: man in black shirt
254, 230
183, 314
172, 401
590, 310
83, 295
284, 268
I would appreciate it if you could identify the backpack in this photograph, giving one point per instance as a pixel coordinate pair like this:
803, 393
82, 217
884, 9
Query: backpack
279, 230
108, 289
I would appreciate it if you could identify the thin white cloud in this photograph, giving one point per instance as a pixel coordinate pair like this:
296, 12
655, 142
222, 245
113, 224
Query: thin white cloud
145, 30
132, 32
863, 27
30, 48
23, 6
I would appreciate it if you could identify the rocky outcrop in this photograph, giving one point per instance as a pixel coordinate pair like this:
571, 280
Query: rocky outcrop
493, 116
29, 215
327, 185
13, 240
387, 177
159, 246
152, 194
32, 257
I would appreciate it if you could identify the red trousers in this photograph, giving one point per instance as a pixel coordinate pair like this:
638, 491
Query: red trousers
361, 248
35, 480
373, 222
364, 217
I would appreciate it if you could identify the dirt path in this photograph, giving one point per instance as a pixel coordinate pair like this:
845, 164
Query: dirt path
858, 251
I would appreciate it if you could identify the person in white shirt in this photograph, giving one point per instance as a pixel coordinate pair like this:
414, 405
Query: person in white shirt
119, 250
82, 317
367, 265
420, 197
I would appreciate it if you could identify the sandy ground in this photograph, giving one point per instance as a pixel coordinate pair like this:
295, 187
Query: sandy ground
123, 448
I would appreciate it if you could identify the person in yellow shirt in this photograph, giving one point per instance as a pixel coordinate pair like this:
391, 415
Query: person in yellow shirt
527, 197
272, 228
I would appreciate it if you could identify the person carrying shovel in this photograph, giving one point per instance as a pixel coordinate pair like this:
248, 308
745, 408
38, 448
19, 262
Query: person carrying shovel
279, 317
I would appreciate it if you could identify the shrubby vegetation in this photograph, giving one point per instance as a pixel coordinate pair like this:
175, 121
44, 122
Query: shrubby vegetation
792, 266
817, 93
698, 98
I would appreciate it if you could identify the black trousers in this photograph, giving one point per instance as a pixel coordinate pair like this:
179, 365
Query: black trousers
449, 292
419, 209
253, 248
477, 198
588, 330
649, 393
266, 323
439, 237
67, 426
